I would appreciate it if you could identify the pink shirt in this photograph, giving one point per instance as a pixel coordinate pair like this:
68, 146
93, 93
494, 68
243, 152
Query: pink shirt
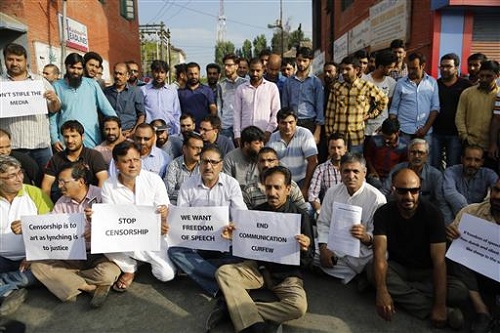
256, 106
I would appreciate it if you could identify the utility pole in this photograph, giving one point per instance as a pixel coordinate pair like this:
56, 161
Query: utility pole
279, 25
155, 33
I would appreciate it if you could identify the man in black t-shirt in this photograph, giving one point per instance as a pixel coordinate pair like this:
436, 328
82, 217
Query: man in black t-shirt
409, 257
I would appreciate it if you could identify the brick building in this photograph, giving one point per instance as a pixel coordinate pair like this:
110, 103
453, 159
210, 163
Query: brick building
108, 27
433, 27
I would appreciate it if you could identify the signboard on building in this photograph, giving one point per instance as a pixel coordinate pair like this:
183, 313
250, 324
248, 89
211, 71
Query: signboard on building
359, 36
318, 62
389, 20
340, 49
75, 35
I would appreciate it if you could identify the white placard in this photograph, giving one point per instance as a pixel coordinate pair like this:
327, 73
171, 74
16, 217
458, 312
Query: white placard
198, 227
340, 48
340, 240
22, 98
125, 228
267, 236
54, 236
478, 246
359, 36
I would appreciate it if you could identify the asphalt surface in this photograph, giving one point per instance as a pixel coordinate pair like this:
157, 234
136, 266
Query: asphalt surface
180, 306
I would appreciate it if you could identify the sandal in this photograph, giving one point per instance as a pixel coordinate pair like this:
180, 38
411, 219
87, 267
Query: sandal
124, 281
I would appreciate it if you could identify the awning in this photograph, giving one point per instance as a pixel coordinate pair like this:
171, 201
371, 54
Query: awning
9, 23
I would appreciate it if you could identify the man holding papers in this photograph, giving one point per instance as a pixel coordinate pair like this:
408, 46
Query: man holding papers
409, 257
345, 223
68, 278
134, 186
285, 281
16, 199
478, 284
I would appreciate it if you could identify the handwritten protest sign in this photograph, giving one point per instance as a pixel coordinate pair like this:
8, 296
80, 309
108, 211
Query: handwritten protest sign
340, 240
54, 236
198, 227
22, 98
124, 228
267, 236
478, 247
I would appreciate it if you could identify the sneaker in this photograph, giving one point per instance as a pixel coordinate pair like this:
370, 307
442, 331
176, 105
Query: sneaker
100, 295
455, 318
12, 301
481, 324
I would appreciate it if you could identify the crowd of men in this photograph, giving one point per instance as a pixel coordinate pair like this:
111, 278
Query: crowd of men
376, 132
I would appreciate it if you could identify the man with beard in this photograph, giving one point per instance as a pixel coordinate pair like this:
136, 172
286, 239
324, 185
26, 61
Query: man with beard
196, 98
401, 70
227, 87
210, 132
180, 76
81, 100
474, 65
243, 68
73, 133
134, 74
184, 166
256, 103
241, 163
468, 183
327, 174
170, 144
409, 268
273, 73
30, 134
431, 179
254, 194
213, 76
112, 128
160, 99
303, 93
188, 123
126, 100
92, 67
482, 289
416, 100
445, 140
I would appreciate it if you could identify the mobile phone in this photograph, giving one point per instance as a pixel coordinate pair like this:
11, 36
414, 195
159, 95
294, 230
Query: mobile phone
92, 201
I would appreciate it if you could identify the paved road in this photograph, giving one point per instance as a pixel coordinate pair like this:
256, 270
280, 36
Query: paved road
180, 306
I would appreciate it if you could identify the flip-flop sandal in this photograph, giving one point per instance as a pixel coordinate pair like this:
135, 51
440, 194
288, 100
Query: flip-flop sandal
124, 282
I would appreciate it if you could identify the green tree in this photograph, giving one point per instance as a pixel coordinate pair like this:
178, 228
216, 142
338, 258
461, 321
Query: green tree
259, 44
276, 41
246, 50
221, 49
296, 37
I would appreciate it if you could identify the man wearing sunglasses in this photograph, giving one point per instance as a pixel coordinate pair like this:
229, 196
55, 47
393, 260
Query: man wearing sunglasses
410, 232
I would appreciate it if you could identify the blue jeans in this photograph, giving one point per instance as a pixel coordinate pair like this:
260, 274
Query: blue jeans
200, 265
445, 143
40, 155
11, 278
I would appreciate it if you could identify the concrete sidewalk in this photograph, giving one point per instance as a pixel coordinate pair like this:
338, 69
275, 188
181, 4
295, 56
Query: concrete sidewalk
180, 306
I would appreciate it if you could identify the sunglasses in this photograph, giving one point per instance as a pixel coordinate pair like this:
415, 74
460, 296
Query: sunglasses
404, 190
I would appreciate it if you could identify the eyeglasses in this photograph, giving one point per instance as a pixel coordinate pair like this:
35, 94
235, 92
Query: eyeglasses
211, 162
64, 182
206, 129
404, 190
13, 175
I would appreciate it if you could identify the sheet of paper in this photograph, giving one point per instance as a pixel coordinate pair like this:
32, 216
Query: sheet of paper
22, 98
198, 227
54, 236
125, 228
478, 247
267, 236
340, 240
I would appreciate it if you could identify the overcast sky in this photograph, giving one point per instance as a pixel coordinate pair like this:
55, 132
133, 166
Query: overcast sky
193, 23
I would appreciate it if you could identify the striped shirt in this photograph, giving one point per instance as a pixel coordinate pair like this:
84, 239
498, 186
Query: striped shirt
177, 173
325, 176
32, 131
496, 109
348, 105
66, 205
294, 154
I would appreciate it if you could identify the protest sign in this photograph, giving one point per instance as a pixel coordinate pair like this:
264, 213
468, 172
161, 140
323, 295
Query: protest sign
125, 228
22, 98
267, 236
478, 246
54, 236
340, 240
198, 227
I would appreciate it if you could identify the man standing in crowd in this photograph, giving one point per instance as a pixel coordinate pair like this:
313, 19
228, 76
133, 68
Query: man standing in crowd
226, 98
401, 70
81, 100
210, 132
242, 68
170, 144
134, 74
160, 99
303, 93
445, 138
51, 73
180, 76
256, 103
196, 98
287, 67
416, 100
188, 123
474, 65
92, 61
213, 76
30, 134
273, 72
126, 100
112, 130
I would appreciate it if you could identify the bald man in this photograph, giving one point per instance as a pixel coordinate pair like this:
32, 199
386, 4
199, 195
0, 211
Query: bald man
273, 73
411, 233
